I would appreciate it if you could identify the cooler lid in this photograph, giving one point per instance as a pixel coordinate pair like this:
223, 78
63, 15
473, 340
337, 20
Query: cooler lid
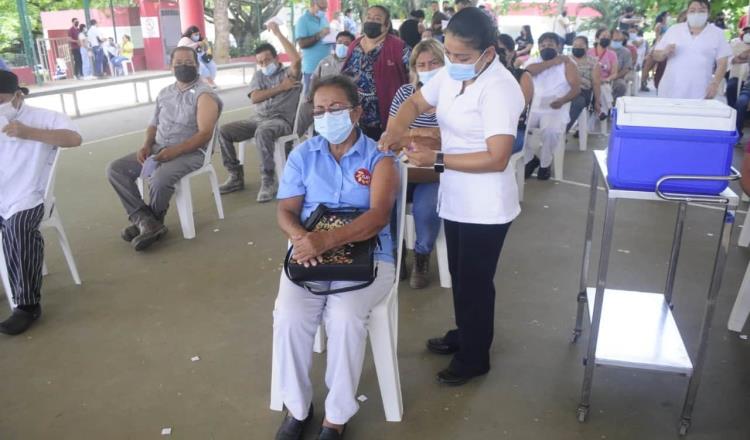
689, 114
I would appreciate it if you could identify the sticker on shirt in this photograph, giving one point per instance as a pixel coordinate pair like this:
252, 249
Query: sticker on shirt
363, 176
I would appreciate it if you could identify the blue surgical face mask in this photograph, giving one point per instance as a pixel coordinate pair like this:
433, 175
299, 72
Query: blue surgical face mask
462, 72
617, 45
334, 128
195, 37
341, 50
424, 77
270, 69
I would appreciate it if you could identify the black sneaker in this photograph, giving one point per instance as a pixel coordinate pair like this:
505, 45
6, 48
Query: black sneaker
21, 320
544, 173
291, 428
530, 167
327, 433
441, 346
451, 378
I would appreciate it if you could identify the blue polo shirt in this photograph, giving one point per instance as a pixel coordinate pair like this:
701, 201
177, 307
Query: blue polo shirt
313, 172
307, 26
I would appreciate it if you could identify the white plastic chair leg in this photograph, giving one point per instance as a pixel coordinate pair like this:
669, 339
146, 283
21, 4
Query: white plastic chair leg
741, 308
139, 184
241, 152
4, 277
184, 202
410, 234
45, 271
56, 223
441, 247
744, 239
558, 159
279, 158
215, 189
744, 197
583, 130
517, 162
319, 346
383, 332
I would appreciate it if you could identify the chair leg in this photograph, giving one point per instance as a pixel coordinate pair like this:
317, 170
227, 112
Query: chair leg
319, 346
559, 158
383, 336
215, 189
744, 239
5, 278
184, 202
411, 232
442, 257
741, 308
65, 245
139, 184
279, 158
45, 270
241, 152
520, 180
583, 130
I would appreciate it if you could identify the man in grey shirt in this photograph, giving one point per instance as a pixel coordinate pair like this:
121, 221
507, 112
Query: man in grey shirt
275, 91
183, 124
624, 64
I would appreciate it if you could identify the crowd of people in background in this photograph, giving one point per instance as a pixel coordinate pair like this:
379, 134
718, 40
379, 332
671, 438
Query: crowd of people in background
447, 89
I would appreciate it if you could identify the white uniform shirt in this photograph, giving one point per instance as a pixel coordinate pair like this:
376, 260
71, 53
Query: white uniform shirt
94, 34
26, 164
690, 69
550, 85
488, 107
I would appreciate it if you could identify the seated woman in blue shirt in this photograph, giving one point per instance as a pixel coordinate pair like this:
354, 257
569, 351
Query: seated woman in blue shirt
427, 58
340, 168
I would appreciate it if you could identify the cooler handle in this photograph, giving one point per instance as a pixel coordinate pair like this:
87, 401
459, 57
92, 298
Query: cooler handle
676, 197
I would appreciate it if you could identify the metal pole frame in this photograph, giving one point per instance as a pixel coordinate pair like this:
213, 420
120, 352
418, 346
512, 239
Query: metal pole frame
28, 39
586, 254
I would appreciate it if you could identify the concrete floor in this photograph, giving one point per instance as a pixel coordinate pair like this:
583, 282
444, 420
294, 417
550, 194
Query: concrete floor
111, 359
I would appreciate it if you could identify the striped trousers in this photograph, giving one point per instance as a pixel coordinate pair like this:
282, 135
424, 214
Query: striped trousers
23, 247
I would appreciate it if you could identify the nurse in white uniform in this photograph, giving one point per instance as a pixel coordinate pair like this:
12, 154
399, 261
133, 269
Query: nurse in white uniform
692, 50
478, 104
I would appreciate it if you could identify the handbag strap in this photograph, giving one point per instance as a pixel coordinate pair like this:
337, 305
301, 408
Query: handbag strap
328, 291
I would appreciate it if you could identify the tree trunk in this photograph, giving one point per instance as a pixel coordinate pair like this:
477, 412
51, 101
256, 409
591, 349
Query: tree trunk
222, 27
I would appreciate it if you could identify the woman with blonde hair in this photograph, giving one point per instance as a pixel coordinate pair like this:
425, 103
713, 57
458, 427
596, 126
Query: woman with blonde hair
427, 58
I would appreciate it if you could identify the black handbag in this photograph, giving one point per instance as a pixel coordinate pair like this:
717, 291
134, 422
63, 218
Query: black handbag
207, 58
351, 262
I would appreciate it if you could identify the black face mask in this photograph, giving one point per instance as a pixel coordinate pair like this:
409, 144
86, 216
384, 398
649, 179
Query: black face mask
579, 52
185, 73
372, 29
604, 42
548, 53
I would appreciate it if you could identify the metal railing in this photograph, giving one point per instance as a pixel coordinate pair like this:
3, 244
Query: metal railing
145, 89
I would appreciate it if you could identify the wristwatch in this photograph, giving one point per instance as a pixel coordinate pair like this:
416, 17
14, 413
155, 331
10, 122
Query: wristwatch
439, 162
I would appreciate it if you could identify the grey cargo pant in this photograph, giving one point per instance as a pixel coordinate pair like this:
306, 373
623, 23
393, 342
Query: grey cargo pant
123, 172
265, 132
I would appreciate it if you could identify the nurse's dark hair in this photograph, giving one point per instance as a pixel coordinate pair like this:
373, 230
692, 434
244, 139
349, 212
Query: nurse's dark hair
702, 2
473, 26
507, 42
551, 36
192, 30
183, 49
341, 82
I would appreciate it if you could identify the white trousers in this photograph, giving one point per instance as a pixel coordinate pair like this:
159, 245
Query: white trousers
552, 125
296, 317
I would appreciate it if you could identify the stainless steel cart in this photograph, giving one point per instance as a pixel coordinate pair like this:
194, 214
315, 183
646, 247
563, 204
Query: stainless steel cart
636, 329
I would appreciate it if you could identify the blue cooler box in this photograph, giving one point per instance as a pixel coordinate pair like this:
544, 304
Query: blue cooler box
655, 137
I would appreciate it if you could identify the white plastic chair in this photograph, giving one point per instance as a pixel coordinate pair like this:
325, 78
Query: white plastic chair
516, 161
441, 249
558, 159
279, 146
51, 220
124, 64
183, 195
741, 309
383, 329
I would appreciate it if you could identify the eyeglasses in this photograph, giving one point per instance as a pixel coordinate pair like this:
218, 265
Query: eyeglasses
336, 111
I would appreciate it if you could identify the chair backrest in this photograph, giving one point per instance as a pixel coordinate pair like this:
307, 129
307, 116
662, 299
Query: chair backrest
300, 101
401, 216
211, 145
49, 190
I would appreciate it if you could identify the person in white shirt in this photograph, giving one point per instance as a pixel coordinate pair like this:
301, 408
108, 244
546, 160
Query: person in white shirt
478, 103
29, 138
556, 84
96, 39
738, 66
561, 25
692, 50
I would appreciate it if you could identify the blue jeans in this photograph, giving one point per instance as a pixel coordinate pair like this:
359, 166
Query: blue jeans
98, 61
520, 137
426, 220
741, 106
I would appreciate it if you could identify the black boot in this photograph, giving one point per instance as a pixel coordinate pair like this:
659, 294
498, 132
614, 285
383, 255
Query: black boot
291, 428
235, 181
150, 229
21, 319
420, 271
530, 167
544, 173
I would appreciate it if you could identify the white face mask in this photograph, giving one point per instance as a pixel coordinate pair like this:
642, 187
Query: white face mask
697, 19
8, 110
746, 38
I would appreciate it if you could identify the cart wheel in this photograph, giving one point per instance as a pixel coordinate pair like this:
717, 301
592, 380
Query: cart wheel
684, 426
582, 414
